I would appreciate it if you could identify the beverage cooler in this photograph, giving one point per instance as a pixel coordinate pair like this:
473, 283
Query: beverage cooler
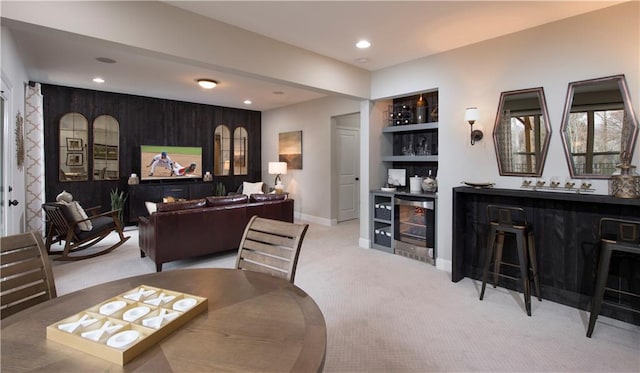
414, 229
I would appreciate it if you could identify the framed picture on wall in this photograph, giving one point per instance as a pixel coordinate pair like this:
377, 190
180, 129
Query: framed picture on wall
290, 149
74, 144
75, 159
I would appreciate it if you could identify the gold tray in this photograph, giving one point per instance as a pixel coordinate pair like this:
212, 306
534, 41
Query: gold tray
122, 327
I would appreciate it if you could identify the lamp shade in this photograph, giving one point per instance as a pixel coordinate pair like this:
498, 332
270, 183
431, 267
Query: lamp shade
471, 114
276, 168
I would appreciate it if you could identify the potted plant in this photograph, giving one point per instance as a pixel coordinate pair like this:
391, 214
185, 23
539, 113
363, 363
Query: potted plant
220, 189
117, 202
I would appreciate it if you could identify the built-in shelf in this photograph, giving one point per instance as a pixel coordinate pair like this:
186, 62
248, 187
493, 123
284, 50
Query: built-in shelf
410, 158
411, 127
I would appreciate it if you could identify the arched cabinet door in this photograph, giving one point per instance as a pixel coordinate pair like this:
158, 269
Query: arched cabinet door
106, 148
73, 132
240, 151
221, 151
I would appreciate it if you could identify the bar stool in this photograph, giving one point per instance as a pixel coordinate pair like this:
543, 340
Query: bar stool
616, 235
512, 220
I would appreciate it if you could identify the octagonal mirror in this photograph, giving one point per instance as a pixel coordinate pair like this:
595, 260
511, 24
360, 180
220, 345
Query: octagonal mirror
598, 124
522, 132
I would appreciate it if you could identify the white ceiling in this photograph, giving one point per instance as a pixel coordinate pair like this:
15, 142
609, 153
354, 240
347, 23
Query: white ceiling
399, 31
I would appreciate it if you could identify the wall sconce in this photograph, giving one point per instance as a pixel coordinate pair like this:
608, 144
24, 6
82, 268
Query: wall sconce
471, 115
278, 168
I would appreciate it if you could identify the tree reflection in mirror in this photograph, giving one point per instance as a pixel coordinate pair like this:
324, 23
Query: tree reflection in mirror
598, 125
521, 133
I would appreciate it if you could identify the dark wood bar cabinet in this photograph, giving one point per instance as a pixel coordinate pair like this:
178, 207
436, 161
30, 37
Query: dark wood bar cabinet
565, 228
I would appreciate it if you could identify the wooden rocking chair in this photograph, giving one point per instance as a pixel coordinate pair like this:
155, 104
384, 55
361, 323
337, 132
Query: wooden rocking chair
62, 227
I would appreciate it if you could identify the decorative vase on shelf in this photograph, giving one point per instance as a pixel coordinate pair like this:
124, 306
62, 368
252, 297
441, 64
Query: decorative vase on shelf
625, 183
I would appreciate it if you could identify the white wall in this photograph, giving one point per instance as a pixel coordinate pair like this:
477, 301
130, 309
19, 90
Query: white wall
14, 77
311, 186
593, 45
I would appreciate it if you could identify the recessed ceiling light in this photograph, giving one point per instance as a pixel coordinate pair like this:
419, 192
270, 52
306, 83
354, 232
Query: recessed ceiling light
363, 44
247, 102
207, 83
106, 60
98, 80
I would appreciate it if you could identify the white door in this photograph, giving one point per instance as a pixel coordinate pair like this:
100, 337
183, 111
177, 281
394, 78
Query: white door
10, 216
348, 149
3, 195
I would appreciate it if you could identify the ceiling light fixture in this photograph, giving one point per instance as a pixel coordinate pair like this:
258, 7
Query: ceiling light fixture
207, 83
247, 102
363, 44
98, 80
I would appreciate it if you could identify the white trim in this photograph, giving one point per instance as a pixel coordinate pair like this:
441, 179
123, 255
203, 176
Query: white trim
314, 219
444, 265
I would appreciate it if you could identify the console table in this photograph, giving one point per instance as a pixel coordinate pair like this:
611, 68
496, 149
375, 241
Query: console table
565, 228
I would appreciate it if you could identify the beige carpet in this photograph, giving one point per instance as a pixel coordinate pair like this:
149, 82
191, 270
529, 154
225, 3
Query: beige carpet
386, 313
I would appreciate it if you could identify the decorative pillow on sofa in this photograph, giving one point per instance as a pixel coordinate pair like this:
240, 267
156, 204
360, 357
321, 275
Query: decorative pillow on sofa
75, 212
234, 199
252, 188
151, 207
267, 197
191, 204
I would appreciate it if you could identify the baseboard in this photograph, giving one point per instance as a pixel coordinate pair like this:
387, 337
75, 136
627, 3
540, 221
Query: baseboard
313, 219
364, 242
444, 265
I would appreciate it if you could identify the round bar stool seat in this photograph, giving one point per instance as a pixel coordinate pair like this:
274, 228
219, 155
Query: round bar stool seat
616, 235
511, 220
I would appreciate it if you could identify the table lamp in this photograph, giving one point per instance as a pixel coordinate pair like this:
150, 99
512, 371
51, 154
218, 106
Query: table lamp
278, 168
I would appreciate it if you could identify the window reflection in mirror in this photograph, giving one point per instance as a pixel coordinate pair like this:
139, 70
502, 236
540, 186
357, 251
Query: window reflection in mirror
73, 134
240, 152
106, 138
521, 133
598, 124
221, 151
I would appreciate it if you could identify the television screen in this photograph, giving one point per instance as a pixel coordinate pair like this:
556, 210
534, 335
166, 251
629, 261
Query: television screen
170, 162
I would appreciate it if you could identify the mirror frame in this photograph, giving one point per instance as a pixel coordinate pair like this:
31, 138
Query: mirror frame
629, 118
541, 158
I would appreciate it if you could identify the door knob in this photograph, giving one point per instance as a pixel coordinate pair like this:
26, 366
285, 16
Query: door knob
13, 202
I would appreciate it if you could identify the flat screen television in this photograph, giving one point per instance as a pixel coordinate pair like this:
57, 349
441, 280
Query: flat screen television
158, 162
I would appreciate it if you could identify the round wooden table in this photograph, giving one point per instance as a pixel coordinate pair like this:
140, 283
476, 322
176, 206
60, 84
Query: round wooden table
254, 322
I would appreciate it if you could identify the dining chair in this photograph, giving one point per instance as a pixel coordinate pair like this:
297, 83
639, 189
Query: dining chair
271, 246
27, 278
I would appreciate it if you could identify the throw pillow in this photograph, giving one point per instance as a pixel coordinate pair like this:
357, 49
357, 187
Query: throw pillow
151, 207
64, 196
78, 213
251, 188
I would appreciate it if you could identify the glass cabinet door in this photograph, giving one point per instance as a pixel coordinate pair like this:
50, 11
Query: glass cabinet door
240, 151
73, 134
106, 139
221, 151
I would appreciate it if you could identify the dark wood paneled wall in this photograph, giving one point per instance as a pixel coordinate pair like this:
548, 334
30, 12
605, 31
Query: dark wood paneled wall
143, 120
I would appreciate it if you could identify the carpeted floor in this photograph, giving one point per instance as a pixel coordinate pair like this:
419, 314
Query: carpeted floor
387, 313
